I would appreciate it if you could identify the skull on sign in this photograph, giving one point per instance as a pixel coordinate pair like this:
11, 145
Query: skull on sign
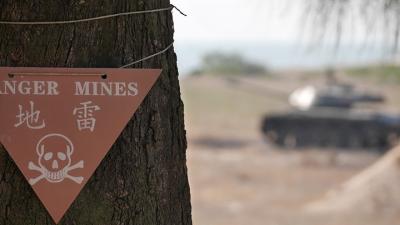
54, 160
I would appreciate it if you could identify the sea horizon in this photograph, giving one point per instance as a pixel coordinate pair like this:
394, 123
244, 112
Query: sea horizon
283, 55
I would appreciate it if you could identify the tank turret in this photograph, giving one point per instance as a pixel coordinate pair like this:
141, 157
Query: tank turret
337, 95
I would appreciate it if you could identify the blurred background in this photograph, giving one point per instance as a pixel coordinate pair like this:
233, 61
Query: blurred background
292, 110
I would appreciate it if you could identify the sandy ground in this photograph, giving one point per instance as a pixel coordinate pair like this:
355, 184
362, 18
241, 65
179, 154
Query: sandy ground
238, 179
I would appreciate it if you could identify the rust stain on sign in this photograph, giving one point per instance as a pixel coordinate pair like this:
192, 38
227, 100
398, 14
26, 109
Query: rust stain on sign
58, 123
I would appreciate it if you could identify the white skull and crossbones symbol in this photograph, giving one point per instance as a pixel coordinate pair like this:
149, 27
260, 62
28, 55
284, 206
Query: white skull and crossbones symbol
54, 161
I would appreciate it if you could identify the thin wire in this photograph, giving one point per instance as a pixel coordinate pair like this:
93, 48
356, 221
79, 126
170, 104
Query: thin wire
11, 75
90, 19
104, 17
180, 11
127, 65
149, 57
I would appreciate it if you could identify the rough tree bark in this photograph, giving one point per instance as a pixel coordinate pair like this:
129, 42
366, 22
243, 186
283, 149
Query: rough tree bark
143, 179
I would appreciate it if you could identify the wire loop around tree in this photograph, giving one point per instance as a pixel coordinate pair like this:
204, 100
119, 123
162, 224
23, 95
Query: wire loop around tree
90, 19
171, 7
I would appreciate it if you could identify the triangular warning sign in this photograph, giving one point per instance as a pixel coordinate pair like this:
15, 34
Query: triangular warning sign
58, 123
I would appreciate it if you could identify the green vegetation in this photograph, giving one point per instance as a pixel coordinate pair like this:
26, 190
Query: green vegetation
228, 64
385, 72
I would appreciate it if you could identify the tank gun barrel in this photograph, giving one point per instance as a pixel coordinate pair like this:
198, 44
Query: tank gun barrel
369, 98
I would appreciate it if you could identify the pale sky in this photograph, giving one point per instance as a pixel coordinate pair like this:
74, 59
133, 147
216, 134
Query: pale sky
254, 20
237, 20
271, 32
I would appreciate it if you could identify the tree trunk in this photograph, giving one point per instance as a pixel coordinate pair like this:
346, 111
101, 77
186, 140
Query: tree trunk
143, 179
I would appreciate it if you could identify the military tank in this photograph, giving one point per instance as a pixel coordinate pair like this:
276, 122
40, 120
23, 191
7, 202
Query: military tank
329, 117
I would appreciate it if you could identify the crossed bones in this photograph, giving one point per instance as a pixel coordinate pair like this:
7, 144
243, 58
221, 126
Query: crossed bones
44, 171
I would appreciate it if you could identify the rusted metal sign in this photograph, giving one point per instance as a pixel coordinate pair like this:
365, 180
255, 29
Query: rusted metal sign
58, 124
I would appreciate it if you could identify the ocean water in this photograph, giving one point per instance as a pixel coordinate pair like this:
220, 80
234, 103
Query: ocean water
280, 55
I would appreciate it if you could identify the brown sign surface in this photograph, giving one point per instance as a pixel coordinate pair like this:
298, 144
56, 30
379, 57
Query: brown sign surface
58, 124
